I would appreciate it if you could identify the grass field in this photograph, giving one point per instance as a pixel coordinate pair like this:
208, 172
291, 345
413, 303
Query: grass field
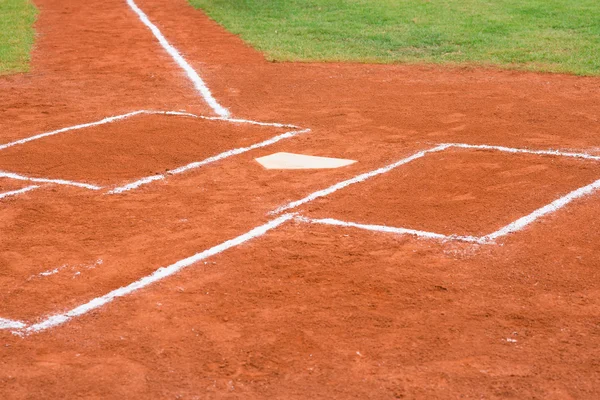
16, 35
541, 35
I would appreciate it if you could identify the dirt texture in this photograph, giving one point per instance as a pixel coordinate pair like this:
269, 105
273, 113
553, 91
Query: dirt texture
305, 311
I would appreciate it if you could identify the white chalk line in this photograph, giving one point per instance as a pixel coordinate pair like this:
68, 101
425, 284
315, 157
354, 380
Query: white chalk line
12, 175
16, 192
525, 151
556, 205
357, 179
388, 229
21, 328
174, 53
71, 128
136, 184
116, 118
11, 324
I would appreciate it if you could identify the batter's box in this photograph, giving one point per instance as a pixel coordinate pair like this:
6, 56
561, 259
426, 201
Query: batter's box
136, 149
457, 191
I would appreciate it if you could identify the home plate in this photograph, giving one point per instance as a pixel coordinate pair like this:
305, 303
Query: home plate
300, 161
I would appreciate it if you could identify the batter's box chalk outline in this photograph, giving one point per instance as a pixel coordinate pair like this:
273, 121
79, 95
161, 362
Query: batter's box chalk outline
22, 328
491, 238
146, 180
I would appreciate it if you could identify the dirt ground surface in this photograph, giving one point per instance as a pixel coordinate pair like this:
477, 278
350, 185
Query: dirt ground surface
305, 311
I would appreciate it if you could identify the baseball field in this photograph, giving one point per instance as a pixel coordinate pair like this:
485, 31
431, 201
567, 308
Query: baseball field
146, 253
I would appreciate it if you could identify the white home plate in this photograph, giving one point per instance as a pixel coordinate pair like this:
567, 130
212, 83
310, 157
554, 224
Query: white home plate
301, 161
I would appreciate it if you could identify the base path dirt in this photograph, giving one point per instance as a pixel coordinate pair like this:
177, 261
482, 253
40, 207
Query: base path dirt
305, 311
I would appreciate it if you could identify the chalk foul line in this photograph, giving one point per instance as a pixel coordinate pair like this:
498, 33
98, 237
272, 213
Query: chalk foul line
22, 329
183, 64
143, 181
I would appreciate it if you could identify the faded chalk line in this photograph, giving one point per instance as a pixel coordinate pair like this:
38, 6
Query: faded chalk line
21, 328
136, 184
16, 192
174, 53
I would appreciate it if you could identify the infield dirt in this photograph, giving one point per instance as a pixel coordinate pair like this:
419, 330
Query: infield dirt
306, 311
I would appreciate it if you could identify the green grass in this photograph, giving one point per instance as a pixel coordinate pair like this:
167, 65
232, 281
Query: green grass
541, 35
16, 35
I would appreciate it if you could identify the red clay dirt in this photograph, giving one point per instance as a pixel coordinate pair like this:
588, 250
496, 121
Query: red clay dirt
305, 311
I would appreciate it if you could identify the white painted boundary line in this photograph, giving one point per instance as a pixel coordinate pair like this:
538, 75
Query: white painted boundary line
116, 118
357, 179
158, 275
16, 192
525, 151
540, 212
11, 175
198, 164
389, 229
136, 184
71, 128
174, 53
10, 324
